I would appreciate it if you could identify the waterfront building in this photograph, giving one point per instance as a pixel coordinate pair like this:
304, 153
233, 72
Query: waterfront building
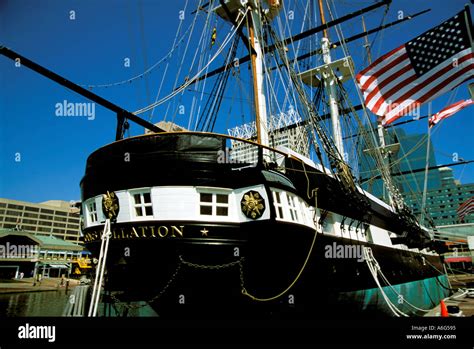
409, 155
458, 253
442, 202
56, 218
23, 254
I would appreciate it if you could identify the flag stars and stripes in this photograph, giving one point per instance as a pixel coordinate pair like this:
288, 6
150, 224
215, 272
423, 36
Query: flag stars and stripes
466, 208
449, 111
430, 46
420, 70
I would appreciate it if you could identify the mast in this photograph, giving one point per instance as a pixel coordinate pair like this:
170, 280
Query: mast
229, 10
256, 61
330, 86
366, 41
220, 10
380, 129
427, 165
385, 150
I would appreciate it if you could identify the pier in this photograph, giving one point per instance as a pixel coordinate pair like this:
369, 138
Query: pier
30, 285
461, 299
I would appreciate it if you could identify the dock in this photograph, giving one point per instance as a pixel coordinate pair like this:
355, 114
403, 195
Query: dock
29, 285
466, 304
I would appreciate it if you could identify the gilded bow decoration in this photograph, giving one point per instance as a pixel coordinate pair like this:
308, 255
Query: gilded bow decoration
253, 205
110, 205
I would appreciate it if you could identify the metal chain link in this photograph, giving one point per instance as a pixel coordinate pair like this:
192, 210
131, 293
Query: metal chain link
211, 267
155, 298
242, 282
173, 277
219, 267
170, 281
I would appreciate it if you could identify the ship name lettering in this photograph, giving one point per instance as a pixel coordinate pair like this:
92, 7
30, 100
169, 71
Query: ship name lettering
162, 231
146, 231
174, 229
134, 233
153, 231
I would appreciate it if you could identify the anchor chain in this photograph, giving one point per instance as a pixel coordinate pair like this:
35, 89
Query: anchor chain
173, 278
211, 267
155, 298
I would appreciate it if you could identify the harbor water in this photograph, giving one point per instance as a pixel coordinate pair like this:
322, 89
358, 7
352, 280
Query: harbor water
45, 303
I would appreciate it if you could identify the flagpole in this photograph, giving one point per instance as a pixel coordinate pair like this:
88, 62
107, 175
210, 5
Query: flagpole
427, 165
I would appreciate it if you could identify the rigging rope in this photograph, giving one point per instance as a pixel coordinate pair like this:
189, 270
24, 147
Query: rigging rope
329, 146
374, 267
147, 71
398, 201
144, 50
96, 290
191, 29
197, 75
202, 55
208, 116
181, 64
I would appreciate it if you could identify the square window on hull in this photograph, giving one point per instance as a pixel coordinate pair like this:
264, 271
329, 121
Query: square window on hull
222, 211
142, 204
213, 204
206, 210
206, 197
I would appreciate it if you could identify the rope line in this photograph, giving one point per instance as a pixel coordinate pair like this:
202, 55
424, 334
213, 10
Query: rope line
149, 70
245, 293
195, 77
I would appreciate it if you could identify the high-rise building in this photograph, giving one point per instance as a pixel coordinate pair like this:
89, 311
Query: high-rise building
410, 156
283, 130
55, 218
442, 202
444, 194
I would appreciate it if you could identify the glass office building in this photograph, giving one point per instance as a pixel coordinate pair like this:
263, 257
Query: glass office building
442, 202
444, 193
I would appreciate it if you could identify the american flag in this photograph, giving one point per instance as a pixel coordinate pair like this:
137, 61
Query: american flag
466, 208
448, 111
420, 70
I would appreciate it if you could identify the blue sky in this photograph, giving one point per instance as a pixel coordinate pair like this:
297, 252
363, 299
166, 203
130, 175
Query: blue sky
91, 50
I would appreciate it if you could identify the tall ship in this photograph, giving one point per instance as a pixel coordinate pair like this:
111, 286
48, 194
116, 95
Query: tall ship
208, 225
269, 220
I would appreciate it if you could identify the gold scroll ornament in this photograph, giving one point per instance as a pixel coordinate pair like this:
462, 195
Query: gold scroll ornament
252, 204
110, 205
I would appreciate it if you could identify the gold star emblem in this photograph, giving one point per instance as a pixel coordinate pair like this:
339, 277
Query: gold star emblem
204, 232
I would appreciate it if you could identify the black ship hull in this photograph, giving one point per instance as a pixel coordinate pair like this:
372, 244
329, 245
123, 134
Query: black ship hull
256, 268
205, 279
